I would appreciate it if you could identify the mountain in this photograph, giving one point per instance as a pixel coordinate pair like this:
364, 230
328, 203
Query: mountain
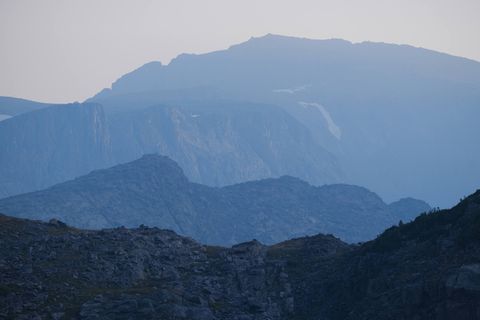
154, 191
426, 269
393, 115
51, 145
224, 142
10, 107
387, 117
407, 208
218, 143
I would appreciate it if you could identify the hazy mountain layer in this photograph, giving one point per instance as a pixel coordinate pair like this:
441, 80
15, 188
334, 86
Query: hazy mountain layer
427, 269
154, 191
396, 119
15, 106
51, 145
217, 143
401, 120
220, 143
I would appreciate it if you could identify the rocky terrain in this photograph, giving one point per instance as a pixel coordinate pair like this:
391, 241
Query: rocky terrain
217, 143
154, 191
426, 269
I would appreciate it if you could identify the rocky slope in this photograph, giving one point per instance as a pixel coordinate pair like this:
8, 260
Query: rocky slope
154, 191
427, 269
221, 143
217, 143
51, 145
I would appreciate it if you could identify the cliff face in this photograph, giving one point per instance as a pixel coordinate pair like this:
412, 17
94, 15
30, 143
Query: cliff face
221, 143
216, 143
154, 191
427, 269
51, 145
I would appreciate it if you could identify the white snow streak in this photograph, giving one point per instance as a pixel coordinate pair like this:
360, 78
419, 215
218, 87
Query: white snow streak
332, 126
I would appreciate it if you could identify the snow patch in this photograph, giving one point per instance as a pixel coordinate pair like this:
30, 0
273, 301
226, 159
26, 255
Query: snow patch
4, 117
332, 126
291, 90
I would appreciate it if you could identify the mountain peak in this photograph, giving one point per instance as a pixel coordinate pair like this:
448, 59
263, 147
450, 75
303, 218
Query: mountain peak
153, 165
271, 39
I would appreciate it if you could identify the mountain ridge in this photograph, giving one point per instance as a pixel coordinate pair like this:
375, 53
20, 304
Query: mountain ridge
371, 91
360, 110
153, 190
210, 140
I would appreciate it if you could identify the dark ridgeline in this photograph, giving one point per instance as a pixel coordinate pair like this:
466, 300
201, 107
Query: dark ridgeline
426, 269
387, 117
154, 191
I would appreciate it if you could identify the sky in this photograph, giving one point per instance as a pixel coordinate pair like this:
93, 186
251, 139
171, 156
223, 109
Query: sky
68, 50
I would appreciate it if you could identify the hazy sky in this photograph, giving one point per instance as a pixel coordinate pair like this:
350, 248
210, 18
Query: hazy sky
65, 50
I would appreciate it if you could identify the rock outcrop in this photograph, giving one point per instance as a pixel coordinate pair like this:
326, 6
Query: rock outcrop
426, 269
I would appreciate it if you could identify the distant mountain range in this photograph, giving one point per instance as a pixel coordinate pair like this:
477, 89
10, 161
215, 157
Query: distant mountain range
426, 269
216, 143
154, 191
396, 119
11, 107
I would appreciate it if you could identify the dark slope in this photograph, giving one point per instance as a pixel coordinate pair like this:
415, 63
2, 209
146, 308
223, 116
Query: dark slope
427, 269
154, 191
387, 102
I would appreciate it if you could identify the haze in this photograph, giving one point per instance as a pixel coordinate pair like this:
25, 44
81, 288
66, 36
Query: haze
60, 51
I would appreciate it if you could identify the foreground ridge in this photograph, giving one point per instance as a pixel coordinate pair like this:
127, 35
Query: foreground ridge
426, 269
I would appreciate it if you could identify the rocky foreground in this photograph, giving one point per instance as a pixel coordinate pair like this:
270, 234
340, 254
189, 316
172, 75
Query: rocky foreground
427, 269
